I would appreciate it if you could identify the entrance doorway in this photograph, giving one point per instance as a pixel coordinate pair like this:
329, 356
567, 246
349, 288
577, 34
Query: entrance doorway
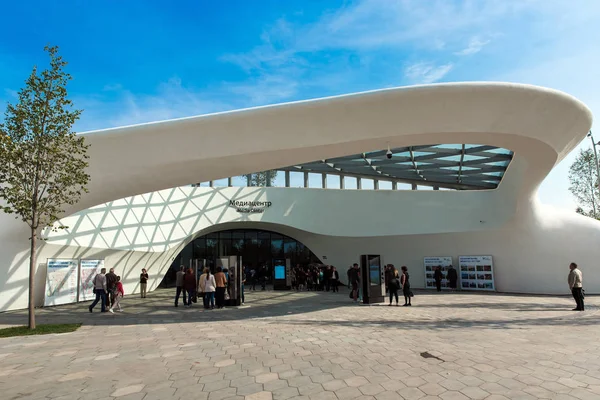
257, 248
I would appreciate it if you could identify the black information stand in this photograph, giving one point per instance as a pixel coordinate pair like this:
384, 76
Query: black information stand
372, 279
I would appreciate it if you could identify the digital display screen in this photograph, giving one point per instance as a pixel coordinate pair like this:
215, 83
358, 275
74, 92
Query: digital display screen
374, 271
280, 272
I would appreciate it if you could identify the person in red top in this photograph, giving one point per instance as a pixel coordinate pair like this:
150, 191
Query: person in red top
189, 285
119, 293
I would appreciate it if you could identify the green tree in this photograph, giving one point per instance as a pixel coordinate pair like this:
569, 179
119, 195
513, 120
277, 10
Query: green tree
265, 178
43, 160
583, 179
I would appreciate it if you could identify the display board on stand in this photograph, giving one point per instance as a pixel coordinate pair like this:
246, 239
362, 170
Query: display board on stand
61, 281
476, 273
431, 263
88, 269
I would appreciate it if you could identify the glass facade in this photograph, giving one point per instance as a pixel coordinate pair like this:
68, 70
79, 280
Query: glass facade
256, 247
436, 166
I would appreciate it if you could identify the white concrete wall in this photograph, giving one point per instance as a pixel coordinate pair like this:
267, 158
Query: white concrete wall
530, 243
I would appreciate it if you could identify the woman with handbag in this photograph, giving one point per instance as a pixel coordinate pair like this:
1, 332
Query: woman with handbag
405, 282
393, 283
208, 287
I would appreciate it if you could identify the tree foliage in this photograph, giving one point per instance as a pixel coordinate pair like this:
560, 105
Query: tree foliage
43, 161
265, 178
583, 179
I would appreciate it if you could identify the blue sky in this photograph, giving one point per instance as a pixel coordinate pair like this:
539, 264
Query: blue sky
139, 61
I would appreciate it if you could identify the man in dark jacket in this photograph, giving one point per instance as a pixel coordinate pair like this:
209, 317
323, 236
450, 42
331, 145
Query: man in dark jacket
452, 277
111, 285
438, 276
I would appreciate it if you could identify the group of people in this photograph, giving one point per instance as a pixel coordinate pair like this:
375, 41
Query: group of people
108, 290
315, 278
215, 289
394, 282
212, 288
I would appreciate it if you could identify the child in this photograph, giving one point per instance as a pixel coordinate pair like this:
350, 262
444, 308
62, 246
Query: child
118, 296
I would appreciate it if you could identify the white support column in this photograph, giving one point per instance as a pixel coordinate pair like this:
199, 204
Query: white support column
287, 179
324, 181
358, 184
342, 182
306, 179
376, 184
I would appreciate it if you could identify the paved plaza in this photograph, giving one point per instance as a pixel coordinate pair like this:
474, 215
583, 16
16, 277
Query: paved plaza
285, 345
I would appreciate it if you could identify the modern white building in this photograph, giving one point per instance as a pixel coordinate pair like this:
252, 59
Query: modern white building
476, 154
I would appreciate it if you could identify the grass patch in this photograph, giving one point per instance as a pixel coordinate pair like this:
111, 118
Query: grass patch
39, 330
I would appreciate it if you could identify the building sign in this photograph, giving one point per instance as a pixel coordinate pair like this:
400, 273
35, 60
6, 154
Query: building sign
250, 207
88, 269
476, 272
431, 264
61, 281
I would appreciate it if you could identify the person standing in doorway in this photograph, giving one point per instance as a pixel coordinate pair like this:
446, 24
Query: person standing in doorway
405, 282
452, 277
179, 283
576, 286
243, 283
143, 283
438, 276
99, 290
221, 283
393, 283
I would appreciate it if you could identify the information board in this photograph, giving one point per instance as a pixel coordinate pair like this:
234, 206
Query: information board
88, 269
431, 263
476, 272
61, 281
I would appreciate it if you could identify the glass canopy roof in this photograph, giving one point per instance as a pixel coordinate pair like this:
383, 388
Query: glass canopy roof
455, 166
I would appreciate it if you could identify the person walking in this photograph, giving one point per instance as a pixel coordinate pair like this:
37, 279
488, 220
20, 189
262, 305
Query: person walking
100, 290
221, 284
405, 282
189, 285
242, 287
119, 293
576, 286
348, 273
438, 276
143, 283
111, 285
452, 277
179, 283
393, 283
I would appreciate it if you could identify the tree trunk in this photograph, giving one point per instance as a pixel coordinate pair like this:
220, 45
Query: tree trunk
32, 259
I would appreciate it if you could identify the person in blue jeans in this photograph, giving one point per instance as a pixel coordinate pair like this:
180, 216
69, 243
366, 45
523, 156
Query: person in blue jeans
208, 286
99, 290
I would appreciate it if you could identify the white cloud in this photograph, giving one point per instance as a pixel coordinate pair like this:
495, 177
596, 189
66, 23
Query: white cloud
475, 46
424, 72
171, 100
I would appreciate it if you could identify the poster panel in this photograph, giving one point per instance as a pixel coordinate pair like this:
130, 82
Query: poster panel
88, 269
476, 272
61, 281
431, 263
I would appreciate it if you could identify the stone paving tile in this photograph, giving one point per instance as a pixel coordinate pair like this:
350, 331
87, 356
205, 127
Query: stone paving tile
314, 346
